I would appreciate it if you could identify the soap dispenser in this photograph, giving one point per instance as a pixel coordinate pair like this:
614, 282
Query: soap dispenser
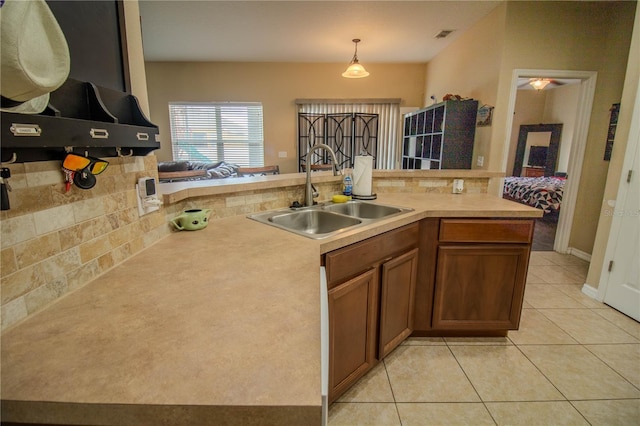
347, 184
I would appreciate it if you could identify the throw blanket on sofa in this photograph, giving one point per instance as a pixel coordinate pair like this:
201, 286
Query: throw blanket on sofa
219, 170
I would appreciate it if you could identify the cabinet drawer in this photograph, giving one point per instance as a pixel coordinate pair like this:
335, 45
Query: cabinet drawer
351, 260
486, 230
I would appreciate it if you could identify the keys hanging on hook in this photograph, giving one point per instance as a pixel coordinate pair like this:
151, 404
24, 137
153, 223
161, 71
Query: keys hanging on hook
68, 181
5, 174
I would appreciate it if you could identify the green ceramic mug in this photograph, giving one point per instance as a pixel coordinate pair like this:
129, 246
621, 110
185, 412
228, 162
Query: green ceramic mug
192, 220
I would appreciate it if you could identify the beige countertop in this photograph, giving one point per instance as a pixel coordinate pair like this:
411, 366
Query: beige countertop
212, 326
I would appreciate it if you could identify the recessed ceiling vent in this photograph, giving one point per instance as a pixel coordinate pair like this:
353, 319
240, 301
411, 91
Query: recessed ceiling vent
443, 33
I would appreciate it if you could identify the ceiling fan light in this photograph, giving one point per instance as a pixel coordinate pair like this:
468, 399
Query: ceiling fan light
539, 83
355, 70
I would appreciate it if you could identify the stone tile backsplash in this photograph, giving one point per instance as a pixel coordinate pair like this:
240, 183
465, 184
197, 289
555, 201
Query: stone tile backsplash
54, 242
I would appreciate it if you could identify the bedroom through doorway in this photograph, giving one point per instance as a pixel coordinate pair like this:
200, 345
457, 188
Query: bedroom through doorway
540, 145
539, 171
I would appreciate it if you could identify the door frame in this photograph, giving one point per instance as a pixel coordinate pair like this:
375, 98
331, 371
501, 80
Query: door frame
578, 145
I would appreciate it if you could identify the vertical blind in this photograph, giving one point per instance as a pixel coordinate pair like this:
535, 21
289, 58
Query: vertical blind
388, 130
218, 131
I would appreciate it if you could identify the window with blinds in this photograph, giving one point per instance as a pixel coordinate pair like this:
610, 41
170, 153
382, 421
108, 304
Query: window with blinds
218, 131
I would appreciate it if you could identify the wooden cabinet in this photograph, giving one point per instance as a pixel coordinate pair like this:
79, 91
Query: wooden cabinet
428, 257
371, 287
479, 287
437, 277
440, 136
481, 273
352, 328
397, 306
533, 171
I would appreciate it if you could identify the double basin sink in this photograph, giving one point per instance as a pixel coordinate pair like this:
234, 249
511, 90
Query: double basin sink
327, 219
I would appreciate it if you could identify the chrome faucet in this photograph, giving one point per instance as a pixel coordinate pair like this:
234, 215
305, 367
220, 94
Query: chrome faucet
309, 192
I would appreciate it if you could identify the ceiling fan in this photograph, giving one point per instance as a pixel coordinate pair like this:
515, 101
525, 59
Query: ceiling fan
539, 83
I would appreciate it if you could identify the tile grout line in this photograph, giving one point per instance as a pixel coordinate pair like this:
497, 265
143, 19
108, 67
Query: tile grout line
549, 380
588, 309
395, 403
538, 368
612, 323
470, 382
541, 372
611, 367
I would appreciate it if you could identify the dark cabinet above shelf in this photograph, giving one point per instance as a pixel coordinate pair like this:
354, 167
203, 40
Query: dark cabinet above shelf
83, 118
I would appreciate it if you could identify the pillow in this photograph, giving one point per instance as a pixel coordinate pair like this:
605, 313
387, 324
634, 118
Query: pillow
203, 165
173, 166
223, 170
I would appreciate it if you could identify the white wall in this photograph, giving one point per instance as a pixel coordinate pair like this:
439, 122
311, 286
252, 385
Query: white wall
529, 109
560, 107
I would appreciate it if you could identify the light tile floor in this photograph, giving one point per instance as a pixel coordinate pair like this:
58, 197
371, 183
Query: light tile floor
574, 361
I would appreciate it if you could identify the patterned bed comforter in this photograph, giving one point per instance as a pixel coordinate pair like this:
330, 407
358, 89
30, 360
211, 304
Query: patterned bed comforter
544, 193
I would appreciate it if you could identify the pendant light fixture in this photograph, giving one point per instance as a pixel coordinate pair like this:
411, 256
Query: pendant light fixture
355, 70
539, 83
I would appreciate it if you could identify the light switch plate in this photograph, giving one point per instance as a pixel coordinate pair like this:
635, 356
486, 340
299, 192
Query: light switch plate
147, 196
480, 161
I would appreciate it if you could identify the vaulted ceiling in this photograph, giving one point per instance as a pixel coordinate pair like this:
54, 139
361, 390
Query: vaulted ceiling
303, 31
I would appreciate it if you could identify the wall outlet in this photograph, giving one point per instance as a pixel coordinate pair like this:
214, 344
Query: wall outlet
282, 154
480, 161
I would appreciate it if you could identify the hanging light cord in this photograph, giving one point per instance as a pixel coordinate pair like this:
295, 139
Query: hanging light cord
355, 54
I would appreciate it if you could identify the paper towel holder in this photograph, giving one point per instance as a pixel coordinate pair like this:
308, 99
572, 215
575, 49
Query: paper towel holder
371, 196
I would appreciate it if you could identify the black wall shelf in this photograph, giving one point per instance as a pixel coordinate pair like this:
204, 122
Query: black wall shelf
83, 118
440, 136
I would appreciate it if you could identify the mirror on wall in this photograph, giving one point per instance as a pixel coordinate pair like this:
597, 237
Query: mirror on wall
537, 150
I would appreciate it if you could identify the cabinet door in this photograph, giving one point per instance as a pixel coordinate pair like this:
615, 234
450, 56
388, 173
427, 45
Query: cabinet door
352, 328
428, 255
397, 306
479, 287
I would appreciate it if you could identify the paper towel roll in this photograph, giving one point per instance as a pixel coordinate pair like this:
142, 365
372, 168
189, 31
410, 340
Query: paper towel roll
362, 175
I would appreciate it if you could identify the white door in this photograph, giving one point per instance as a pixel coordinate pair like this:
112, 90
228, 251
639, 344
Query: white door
623, 282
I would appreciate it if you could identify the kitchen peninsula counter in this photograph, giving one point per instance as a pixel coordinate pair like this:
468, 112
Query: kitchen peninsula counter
217, 326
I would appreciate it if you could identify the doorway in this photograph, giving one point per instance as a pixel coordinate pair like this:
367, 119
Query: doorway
535, 177
578, 143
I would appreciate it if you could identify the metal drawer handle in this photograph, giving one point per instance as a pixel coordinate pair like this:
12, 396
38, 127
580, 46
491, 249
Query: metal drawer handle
142, 136
99, 133
19, 129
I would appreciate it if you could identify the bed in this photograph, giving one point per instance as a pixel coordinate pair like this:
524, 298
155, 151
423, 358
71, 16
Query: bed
544, 193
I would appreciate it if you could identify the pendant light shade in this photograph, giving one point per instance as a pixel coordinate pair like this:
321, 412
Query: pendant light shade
355, 70
539, 83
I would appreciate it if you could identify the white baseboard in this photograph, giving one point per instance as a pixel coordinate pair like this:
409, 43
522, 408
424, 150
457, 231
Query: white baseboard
590, 291
579, 254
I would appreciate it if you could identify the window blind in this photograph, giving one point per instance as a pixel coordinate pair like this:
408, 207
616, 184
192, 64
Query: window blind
218, 131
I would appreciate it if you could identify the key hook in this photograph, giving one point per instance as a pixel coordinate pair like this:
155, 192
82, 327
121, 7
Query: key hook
14, 158
119, 151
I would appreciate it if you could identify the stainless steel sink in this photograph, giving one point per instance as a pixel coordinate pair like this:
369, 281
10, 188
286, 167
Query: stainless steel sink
327, 219
362, 209
314, 221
